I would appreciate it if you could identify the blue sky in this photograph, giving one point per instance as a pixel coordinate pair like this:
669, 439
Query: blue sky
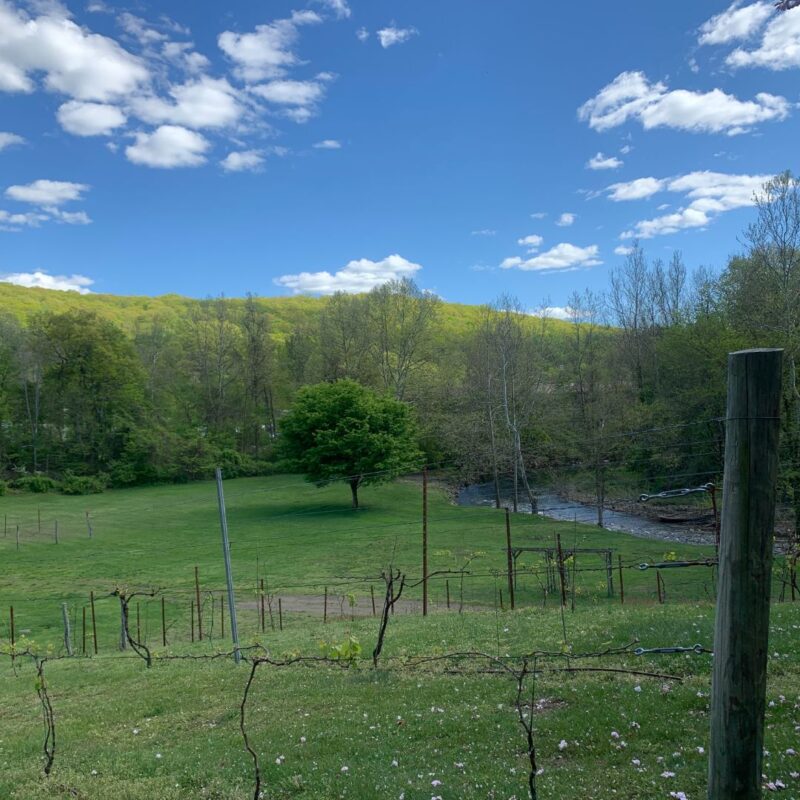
477, 147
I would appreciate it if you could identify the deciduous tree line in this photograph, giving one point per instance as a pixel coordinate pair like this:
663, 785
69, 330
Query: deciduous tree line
513, 396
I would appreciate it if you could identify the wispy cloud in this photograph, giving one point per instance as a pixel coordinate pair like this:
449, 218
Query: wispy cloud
392, 35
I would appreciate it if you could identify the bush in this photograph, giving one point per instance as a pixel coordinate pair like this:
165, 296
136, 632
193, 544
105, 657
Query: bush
3, 487
39, 484
83, 484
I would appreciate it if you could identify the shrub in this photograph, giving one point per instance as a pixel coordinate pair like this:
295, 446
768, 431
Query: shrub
3, 487
39, 484
83, 484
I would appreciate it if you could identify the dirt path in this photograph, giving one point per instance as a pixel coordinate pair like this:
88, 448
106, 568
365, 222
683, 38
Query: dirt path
339, 607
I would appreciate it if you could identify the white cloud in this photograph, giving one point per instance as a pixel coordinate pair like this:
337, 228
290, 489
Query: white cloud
631, 96
779, 48
11, 221
391, 35
566, 219
339, 7
635, 190
243, 161
357, 276
47, 193
534, 242
625, 149
555, 312
183, 56
75, 62
362, 34
622, 250
539, 215
267, 52
69, 217
168, 146
90, 119
709, 194
735, 23
139, 29
43, 280
484, 232
202, 103
327, 144
291, 93
601, 161
560, 258
9, 139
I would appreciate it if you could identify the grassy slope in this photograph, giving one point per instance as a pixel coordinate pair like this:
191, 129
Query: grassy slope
188, 711
286, 313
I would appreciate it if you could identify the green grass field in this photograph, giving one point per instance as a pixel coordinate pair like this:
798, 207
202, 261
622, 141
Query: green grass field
416, 731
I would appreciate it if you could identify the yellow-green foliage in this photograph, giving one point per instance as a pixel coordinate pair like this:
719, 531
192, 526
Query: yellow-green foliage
286, 313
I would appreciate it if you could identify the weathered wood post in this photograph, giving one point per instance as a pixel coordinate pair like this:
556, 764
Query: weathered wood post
123, 626
94, 623
745, 570
199, 605
509, 561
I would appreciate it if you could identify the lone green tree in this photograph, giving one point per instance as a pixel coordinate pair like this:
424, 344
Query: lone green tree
345, 431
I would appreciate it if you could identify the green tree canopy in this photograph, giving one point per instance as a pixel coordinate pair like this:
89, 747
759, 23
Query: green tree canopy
344, 431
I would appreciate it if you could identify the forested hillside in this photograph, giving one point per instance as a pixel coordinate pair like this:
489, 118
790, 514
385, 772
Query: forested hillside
140, 390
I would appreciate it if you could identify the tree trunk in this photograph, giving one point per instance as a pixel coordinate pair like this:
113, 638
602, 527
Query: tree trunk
600, 492
494, 460
354, 483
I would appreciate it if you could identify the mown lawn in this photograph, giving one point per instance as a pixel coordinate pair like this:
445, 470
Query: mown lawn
298, 539
402, 730
172, 731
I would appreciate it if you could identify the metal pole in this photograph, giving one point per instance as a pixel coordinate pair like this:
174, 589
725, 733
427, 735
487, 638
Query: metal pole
424, 541
741, 634
67, 632
226, 551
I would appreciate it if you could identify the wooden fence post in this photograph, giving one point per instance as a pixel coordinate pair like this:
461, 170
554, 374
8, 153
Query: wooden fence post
123, 626
621, 584
199, 607
94, 622
83, 631
163, 624
562, 577
67, 631
325, 607
510, 561
745, 575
